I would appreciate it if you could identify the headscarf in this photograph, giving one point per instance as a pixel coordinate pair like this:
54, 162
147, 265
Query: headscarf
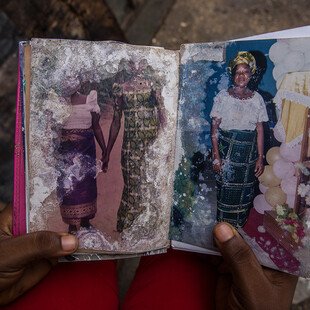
243, 57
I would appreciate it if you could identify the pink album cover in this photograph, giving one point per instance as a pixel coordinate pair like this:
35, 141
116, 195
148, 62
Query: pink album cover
19, 211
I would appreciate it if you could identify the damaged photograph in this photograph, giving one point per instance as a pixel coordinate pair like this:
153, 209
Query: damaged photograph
242, 153
101, 143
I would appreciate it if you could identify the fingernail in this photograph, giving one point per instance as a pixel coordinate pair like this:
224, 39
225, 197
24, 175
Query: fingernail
68, 243
224, 232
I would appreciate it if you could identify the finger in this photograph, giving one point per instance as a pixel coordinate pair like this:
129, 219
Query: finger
6, 221
223, 268
29, 278
239, 257
216, 261
2, 205
223, 288
259, 172
19, 251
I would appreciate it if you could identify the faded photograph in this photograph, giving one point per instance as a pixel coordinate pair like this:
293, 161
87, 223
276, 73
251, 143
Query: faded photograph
237, 136
242, 147
142, 106
101, 138
77, 156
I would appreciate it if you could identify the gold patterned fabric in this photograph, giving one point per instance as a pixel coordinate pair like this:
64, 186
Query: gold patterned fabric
141, 124
243, 57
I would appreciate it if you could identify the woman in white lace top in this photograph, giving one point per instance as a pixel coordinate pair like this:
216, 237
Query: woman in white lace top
238, 142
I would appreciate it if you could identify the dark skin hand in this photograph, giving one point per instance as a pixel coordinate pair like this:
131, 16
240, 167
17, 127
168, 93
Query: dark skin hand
27, 259
243, 283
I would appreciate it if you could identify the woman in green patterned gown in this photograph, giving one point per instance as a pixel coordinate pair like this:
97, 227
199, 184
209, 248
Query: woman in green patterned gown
141, 104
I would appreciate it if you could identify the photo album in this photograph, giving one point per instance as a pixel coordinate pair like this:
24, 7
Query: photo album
134, 149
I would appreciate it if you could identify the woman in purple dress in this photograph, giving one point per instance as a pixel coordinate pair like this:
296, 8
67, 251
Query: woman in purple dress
78, 189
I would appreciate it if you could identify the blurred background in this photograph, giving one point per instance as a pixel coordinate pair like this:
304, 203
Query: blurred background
166, 23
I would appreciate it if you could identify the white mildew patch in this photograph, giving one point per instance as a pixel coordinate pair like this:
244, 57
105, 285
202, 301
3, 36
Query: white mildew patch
54, 64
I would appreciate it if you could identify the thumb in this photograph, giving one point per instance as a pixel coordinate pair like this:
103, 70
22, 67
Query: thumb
24, 260
238, 256
19, 251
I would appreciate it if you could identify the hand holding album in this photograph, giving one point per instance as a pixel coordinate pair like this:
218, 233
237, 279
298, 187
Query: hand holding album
26, 259
243, 282
151, 112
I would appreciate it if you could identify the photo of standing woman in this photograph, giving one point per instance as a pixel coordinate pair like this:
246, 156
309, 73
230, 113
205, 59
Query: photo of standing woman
78, 188
238, 142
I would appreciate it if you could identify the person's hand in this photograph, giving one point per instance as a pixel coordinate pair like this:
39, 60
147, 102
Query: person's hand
217, 164
26, 259
105, 163
259, 167
103, 154
243, 283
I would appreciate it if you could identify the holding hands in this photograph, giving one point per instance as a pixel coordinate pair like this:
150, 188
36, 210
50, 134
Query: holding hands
105, 162
217, 164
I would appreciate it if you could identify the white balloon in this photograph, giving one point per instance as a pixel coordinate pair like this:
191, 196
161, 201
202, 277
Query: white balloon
290, 200
278, 133
278, 71
262, 188
290, 153
278, 51
306, 66
261, 205
279, 81
283, 169
298, 44
294, 61
307, 55
289, 185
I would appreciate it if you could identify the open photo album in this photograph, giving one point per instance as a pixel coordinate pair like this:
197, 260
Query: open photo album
135, 148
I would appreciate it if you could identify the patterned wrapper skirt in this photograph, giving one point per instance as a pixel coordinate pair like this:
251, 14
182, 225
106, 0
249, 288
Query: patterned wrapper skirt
236, 182
77, 184
140, 131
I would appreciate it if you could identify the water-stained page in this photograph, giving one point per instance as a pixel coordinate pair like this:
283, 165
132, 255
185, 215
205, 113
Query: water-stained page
101, 143
242, 153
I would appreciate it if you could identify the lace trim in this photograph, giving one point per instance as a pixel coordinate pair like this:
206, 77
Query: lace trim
295, 97
234, 96
290, 95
